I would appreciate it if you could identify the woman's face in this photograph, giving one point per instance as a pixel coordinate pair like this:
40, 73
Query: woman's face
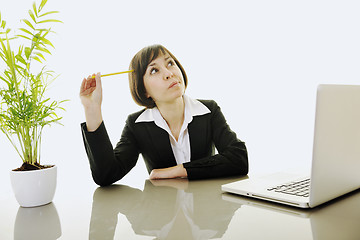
163, 80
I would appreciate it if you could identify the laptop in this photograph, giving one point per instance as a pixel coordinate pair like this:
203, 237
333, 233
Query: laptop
335, 159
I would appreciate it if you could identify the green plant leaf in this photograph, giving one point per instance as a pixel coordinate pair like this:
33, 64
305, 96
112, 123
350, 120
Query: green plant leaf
35, 10
37, 59
3, 24
28, 23
42, 4
47, 42
20, 59
32, 16
6, 81
26, 31
22, 36
40, 55
43, 49
47, 13
27, 52
50, 20
46, 32
48, 99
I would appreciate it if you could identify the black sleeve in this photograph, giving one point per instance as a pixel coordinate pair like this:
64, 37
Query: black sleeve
109, 165
232, 157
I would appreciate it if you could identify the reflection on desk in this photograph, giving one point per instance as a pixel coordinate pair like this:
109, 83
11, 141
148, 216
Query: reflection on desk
181, 209
37, 223
165, 209
335, 220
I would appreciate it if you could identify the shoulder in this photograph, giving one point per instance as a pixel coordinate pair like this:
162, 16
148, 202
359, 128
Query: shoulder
210, 104
133, 116
215, 110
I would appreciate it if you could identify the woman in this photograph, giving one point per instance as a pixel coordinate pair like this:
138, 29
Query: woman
175, 134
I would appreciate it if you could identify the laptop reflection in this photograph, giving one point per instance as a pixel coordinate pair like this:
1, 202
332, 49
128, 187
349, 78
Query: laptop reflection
337, 219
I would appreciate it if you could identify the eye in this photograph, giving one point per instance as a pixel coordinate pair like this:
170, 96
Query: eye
171, 63
153, 71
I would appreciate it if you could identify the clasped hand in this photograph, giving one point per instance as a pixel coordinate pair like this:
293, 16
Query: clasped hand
172, 172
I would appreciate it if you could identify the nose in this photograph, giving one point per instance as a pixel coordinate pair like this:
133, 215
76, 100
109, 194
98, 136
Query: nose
168, 74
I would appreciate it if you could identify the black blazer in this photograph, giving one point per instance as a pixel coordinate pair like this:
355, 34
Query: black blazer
206, 132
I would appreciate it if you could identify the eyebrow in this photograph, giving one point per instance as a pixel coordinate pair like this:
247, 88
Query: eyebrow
166, 58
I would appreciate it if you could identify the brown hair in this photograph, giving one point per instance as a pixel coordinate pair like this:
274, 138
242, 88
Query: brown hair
139, 64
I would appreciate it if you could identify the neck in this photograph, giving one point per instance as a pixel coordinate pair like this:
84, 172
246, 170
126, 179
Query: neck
173, 113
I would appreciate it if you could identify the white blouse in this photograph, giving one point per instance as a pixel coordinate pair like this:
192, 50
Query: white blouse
181, 147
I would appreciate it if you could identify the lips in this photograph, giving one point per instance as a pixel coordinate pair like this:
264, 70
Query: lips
173, 84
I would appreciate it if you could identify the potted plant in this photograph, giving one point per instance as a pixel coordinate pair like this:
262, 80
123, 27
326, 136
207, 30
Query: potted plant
24, 107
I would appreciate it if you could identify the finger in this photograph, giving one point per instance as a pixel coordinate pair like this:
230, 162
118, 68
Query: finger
82, 86
153, 175
87, 83
98, 79
90, 82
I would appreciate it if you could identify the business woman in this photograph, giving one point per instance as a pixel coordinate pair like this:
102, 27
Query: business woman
175, 134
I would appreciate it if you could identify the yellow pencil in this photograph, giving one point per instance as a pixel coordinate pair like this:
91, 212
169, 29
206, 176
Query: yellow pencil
110, 74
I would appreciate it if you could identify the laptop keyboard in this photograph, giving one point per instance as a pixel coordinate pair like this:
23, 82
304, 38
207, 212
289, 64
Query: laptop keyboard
298, 188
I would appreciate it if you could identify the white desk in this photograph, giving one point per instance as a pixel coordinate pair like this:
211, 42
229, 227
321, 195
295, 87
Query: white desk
175, 209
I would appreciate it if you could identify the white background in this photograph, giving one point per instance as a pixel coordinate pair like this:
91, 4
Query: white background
260, 60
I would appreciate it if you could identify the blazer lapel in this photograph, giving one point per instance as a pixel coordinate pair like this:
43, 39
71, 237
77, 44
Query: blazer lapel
160, 142
198, 136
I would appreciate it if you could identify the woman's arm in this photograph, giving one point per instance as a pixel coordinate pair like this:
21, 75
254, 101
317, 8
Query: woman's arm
91, 98
107, 165
232, 158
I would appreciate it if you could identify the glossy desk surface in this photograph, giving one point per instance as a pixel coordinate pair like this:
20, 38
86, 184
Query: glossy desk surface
176, 209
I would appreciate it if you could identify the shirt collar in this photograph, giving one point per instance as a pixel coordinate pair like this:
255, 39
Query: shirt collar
193, 108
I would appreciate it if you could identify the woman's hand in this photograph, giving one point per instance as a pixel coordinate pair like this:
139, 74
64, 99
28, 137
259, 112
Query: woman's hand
91, 91
91, 98
172, 172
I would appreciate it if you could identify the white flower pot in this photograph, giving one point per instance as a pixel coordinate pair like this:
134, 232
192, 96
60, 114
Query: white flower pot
34, 188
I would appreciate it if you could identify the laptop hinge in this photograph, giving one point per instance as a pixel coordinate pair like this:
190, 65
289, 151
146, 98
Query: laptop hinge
279, 201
